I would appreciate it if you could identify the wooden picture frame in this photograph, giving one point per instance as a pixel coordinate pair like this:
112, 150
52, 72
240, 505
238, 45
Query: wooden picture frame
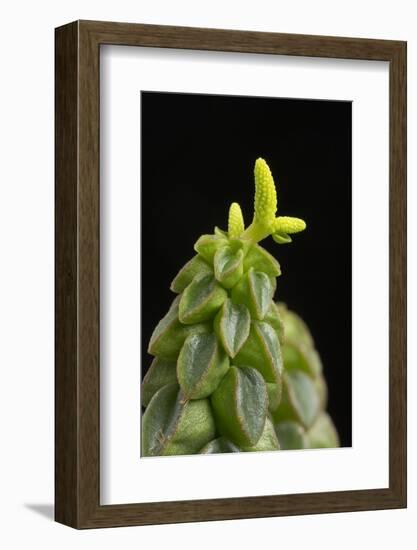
77, 376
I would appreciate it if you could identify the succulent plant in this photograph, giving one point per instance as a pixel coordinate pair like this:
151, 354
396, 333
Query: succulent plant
233, 371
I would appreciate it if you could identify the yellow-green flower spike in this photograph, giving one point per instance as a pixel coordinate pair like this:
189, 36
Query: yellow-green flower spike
265, 193
285, 224
264, 221
236, 223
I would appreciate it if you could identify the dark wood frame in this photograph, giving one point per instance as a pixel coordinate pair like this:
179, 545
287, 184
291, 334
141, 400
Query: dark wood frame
77, 274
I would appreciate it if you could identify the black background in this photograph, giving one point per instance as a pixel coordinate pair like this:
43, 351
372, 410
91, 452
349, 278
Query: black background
198, 154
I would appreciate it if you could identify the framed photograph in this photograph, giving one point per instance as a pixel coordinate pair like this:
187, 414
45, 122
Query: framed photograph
230, 274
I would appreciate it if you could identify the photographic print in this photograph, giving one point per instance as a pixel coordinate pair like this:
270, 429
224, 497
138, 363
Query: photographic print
245, 274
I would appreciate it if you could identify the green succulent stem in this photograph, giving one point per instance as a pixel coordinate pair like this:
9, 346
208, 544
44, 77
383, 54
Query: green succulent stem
256, 232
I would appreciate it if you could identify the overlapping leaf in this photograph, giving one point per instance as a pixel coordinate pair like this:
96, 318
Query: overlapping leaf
273, 317
295, 328
174, 426
297, 355
268, 440
228, 266
160, 373
261, 260
232, 326
300, 400
291, 435
255, 290
274, 395
169, 334
262, 351
201, 365
240, 406
196, 266
207, 246
323, 433
201, 300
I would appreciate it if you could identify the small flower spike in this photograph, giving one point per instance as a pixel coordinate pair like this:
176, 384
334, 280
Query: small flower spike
236, 223
264, 221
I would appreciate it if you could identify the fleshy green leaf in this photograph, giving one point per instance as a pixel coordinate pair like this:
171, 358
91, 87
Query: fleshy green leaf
196, 266
228, 266
261, 260
301, 357
281, 238
273, 284
201, 365
207, 246
261, 292
274, 395
160, 373
240, 406
294, 357
291, 435
255, 291
268, 440
173, 426
220, 232
274, 319
315, 363
232, 326
321, 387
169, 334
262, 351
200, 300
300, 399
219, 445
323, 434
295, 328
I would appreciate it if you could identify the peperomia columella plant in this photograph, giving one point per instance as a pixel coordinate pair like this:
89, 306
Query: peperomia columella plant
233, 371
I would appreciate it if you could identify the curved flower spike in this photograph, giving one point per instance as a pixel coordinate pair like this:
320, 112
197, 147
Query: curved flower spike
285, 224
264, 221
236, 224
